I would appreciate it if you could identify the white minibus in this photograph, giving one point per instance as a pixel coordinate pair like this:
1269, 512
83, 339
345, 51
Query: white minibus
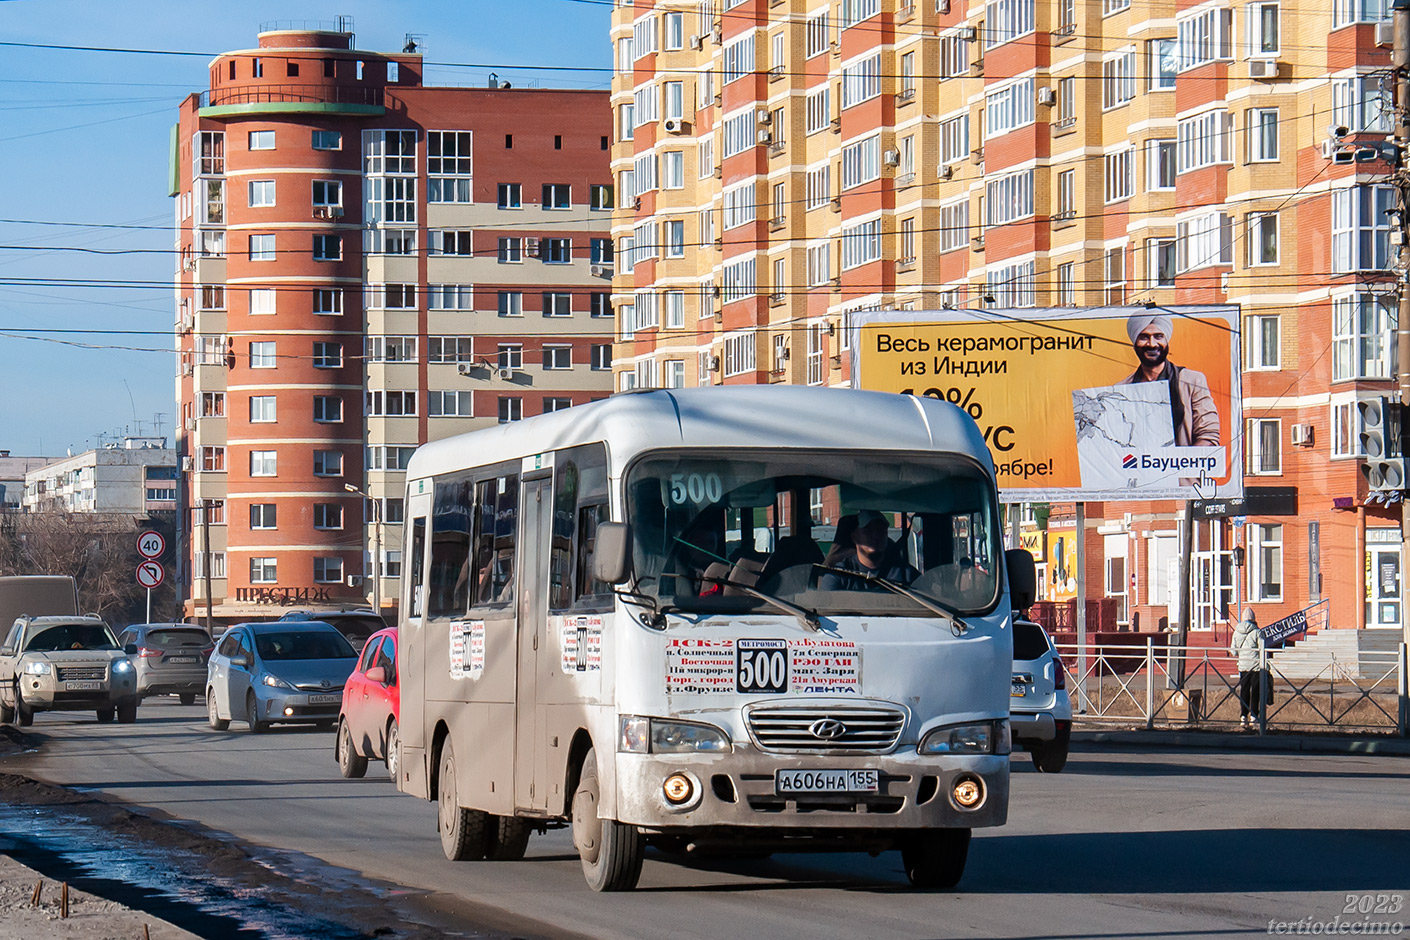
734, 619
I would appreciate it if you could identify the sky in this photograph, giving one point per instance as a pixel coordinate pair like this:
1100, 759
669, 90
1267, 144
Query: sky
83, 142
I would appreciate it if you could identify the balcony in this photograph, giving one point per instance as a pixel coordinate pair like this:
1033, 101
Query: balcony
905, 96
905, 264
906, 13
291, 99
1064, 218
777, 223
1064, 34
1064, 126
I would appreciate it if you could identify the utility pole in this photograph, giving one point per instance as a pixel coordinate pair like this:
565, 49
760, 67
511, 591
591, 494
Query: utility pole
1400, 63
206, 546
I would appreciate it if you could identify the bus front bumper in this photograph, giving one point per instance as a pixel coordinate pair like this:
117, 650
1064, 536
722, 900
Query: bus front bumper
741, 790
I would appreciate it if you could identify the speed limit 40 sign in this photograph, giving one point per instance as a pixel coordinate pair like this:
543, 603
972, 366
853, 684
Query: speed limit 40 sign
151, 544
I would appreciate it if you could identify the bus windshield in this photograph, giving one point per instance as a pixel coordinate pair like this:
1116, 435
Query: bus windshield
813, 529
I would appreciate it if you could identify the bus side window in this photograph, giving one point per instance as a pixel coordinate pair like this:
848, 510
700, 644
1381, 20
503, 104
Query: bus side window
585, 586
418, 565
496, 525
450, 550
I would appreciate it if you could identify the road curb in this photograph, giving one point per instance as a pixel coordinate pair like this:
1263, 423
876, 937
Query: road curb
1307, 744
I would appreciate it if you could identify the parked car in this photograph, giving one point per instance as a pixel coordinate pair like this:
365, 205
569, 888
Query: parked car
279, 672
1040, 712
65, 663
367, 724
171, 658
356, 624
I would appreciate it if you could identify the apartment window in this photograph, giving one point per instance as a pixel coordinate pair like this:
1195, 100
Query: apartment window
264, 571
327, 140
1008, 108
1262, 341
1115, 282
861, 81
1118, 79
741, 351
1361, 228
1118, 175
263, 409
1067, 101
327, 463
212, 297
1160, 256
819, 264
954, 139
954, 225
1161, 158
511, 196
327, 193
327, 409
1204, 140
737, 59
1014, 285
261, 140
261, 247
328, 302
510, 356
740, 133
740, 281
213, 459
329, 570
1204, 241
1346, 430
262, 355
1114, 6
1067, 195
739, 206
215, 560
1067, 284
261, 193
705, 157
450, 297
449, 349
557, 250
450, 404
646, 104
327, 516
673, 26
1265, 561
391, 403
390, 348
511, 250
816, 35
210, 350
954, 55
557, 196
818, 110
1361, 104
389, 458
861, 244
861, 162
449, 166
1362, 344
600, 251
389, 241
264, 463
601, 357
673, 169
674, 303
510, 409
599, 304
511, 303
675, 100
557, 358
1009, 197
557, 304
907, 240
1262, 130
1208, 36
818, 187
644, 36
390, 296
1262, 29
264, 516
1163, 62
1006, 20
1345, 12
212, 404
327, 248
1262, 238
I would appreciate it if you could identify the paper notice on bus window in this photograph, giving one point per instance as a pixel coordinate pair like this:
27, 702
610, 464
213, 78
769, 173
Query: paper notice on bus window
700, 665
830, 667
467, 649
581, 642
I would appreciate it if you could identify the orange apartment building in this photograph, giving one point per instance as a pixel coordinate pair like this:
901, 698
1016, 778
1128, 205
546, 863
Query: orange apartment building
782, 164
367, 263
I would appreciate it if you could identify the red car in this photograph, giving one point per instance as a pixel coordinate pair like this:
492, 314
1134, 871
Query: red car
367, 723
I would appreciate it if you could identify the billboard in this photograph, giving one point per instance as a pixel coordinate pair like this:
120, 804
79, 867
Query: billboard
1107, 403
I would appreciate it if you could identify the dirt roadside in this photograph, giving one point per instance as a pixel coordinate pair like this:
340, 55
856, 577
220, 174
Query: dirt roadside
90, 917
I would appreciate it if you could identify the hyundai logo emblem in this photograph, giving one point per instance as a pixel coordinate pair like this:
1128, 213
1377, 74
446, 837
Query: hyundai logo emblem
828, 729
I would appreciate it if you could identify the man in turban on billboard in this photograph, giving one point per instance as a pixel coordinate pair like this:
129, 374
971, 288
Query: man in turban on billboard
1192, 411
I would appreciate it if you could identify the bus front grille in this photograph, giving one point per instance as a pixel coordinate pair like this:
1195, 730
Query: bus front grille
867, 729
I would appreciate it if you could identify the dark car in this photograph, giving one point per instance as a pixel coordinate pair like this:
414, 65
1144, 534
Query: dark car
171, 658
355, 625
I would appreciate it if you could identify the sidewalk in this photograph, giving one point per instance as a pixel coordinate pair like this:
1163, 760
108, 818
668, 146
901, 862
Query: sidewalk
90, 917
1249, 741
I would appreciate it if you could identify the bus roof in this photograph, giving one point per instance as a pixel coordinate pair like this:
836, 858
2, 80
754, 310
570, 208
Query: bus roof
773, 416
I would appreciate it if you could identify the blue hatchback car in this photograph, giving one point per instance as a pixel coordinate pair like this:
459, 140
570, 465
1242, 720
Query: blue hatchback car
280, 672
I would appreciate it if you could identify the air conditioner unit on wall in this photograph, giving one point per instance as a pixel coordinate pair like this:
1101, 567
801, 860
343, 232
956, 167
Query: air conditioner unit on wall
891, 158
1047, 96
1263, 68
765, 137
713, 364
1302, 435
697, 42
946, 172
764, 118
675, 126
504, 373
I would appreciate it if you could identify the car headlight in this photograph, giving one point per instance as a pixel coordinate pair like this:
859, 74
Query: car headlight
121, 666
274, 682
978, 737
37, 669
642, 735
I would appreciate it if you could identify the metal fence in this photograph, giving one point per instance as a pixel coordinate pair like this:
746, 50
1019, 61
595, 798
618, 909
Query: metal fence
1197, 686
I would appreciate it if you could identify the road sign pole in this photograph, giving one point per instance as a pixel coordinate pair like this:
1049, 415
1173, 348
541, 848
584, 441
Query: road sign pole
149, 605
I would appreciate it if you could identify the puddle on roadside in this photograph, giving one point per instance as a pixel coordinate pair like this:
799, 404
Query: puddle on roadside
163, 881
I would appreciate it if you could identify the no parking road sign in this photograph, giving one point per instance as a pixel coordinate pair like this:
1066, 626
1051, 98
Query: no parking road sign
151, 545
150, 574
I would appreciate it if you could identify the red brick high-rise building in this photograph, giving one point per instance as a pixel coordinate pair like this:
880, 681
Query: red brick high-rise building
367, 263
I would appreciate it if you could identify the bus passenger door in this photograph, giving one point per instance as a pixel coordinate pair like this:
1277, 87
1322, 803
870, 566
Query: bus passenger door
411, 651
530, 762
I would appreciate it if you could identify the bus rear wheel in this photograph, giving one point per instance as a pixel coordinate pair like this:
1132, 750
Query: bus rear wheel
464, 832
508, 838
935, 858
612, 852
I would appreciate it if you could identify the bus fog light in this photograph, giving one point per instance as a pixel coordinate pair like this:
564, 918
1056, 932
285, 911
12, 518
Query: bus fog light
678, 789
967, 792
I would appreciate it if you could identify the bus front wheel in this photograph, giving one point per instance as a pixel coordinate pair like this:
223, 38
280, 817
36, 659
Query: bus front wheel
611, 851
464, 832
935, 858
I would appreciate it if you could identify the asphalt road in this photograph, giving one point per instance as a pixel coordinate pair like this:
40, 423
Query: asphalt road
1124, 843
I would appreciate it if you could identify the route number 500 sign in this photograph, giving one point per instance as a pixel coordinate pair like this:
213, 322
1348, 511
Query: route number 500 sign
696, 487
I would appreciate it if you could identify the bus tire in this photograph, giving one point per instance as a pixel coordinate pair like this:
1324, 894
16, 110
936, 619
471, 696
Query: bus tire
612, 852
508, 838
464, 832
935, 858
351, 764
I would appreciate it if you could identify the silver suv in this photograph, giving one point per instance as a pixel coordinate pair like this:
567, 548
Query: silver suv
1040, 712
65, 664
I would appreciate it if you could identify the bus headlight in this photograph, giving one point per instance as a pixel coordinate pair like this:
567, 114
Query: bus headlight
642, 735
979, 737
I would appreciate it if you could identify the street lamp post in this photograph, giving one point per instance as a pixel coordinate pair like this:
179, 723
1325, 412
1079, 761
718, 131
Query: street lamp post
376, 547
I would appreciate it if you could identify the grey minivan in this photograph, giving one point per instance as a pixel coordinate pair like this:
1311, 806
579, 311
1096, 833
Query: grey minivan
280, 672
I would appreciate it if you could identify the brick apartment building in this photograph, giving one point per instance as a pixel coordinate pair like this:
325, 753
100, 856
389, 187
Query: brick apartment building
367, 263
782, 164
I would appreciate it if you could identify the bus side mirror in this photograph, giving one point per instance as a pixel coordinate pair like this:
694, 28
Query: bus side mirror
1023, 578
612, 553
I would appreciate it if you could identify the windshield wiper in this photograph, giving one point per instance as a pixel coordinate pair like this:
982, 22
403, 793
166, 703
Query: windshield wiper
809, 617
924, 600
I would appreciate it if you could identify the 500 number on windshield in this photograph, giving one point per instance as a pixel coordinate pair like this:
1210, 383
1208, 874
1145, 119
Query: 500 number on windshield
761, 666
696, 488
